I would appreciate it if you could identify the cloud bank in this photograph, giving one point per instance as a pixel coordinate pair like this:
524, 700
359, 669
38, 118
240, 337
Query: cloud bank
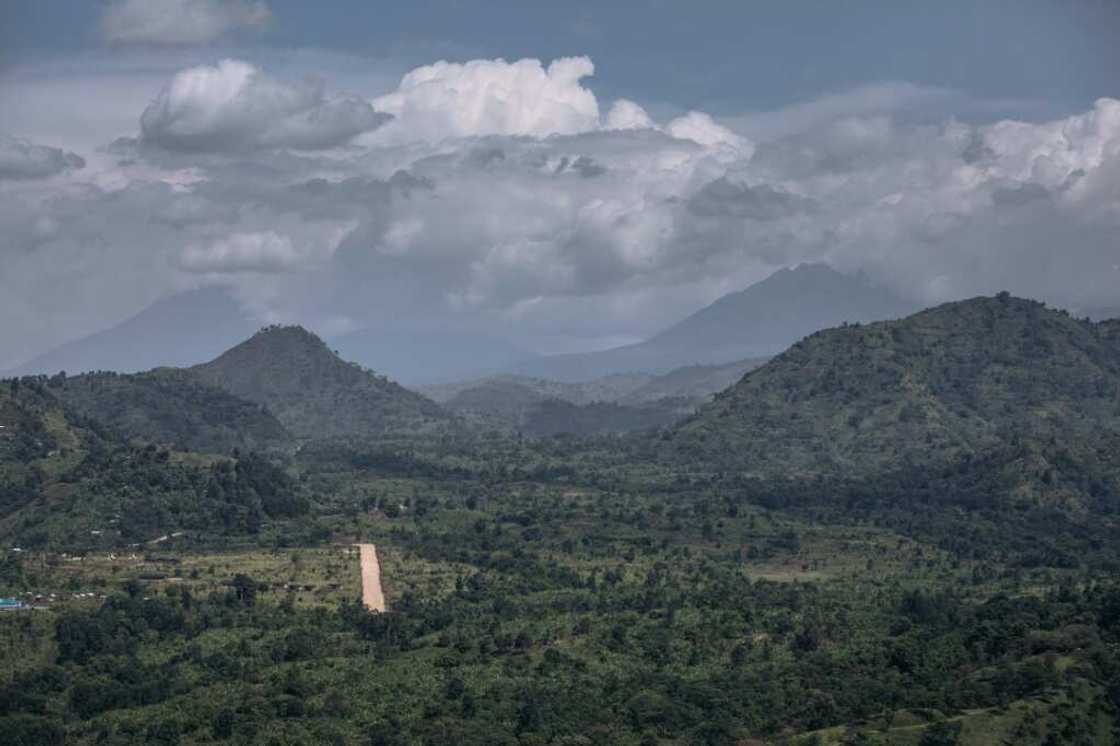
22, 159
505, 197
233, 106
179, 21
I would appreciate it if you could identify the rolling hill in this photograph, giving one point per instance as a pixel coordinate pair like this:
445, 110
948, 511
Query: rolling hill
1025, 395
312, 391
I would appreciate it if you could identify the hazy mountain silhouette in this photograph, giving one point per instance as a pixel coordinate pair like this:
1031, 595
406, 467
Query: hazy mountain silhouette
534, 405
759, 321
181, 330
195, 326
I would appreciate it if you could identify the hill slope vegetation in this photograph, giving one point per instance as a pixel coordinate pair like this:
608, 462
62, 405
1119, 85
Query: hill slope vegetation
172, 407
312, 391
66, 479
961, 384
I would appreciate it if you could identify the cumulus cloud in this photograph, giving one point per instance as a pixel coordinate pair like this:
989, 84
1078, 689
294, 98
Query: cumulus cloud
234, 106
495, 97
492, 97
22, 159
179, 21
1049, 154
627, 115
611, 229
700, 127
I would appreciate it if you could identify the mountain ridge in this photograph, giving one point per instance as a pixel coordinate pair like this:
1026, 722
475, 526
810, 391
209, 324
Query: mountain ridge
758, 321
948, 385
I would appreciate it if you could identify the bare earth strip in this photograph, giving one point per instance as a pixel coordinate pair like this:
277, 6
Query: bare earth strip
372, 596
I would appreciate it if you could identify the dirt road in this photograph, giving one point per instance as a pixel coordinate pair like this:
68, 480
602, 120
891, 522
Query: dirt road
372, 596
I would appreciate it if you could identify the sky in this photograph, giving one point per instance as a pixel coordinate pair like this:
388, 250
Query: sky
567, 176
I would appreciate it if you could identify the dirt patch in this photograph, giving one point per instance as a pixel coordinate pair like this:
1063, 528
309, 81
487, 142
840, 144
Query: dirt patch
372, 597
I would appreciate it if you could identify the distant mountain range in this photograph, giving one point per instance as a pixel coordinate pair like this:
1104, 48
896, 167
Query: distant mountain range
991, 396
612, 404
759, 321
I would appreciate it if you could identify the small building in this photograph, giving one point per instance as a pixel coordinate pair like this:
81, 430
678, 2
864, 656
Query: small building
10, 604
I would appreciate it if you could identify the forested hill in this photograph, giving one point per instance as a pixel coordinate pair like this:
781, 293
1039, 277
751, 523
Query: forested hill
67, 480
989, 378
312, 391
172, 407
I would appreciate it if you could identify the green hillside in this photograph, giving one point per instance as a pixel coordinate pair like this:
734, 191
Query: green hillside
312, 391
897, 534
556, 417
68, 480
956, 384
170, 406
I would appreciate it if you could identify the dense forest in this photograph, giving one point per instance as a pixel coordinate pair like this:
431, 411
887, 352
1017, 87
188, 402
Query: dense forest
896, 533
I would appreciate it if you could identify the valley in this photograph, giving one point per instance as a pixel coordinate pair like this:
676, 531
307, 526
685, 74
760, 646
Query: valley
559, 374
890, 533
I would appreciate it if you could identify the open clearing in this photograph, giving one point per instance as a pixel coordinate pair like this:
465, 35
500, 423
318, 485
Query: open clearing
372, 596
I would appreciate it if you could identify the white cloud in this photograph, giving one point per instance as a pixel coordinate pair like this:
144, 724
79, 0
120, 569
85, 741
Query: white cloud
179, 21
234, 106
1049, 154
701, 128
627, 115
492, 97
495, 97
22, 159
267, 251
